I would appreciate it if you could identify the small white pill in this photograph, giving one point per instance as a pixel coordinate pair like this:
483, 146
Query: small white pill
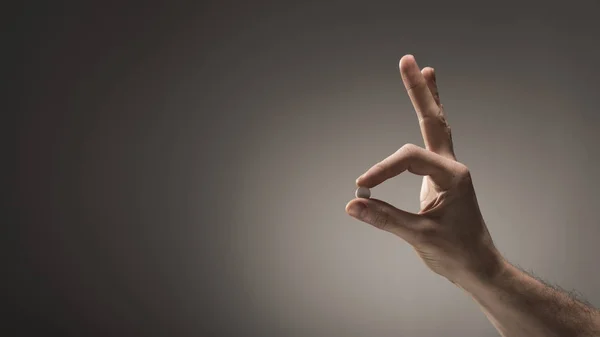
363, 192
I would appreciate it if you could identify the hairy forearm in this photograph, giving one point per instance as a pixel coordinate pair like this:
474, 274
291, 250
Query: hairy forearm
520, 305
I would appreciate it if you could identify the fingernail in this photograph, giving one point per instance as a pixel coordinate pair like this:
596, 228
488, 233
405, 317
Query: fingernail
357, 209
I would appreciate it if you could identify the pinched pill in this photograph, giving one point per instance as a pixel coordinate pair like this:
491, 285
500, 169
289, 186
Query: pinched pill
363, 192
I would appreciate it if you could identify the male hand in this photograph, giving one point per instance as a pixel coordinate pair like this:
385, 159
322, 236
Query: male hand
449, 232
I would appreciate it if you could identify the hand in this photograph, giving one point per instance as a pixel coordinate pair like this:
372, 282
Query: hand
449, 232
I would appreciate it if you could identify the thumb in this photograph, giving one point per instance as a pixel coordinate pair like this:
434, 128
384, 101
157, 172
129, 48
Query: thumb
384, 216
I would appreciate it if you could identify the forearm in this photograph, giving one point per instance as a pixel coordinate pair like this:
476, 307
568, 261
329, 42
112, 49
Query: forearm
520, 305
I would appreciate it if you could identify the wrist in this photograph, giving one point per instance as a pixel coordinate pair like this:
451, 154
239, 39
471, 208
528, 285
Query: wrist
495, 272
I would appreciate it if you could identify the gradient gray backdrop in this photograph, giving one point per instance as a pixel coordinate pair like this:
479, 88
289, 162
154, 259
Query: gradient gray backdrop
183, 170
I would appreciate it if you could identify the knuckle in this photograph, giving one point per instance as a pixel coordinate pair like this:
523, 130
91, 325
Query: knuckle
462, 175
381, 220
463, 172
382, 167
437, 117
412, 85
408, 149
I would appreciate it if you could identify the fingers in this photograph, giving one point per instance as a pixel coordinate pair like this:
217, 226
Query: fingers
429, 75
386, 217
417, 160
422, 91
417, 88
446, 148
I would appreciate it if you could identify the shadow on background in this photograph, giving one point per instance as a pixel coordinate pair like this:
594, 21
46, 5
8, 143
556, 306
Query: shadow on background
183, 170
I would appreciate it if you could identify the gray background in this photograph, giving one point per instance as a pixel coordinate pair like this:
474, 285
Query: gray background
183, 170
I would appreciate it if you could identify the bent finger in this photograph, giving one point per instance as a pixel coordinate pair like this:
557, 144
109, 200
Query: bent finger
417, 160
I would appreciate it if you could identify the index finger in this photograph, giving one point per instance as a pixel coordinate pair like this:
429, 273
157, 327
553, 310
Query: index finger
414, 159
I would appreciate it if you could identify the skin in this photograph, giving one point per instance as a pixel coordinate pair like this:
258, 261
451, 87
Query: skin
450, 235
